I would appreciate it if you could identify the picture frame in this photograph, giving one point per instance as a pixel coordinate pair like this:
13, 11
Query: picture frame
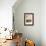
28, 19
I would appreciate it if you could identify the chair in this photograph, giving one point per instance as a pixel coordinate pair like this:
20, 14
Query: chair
18, 39
29, 43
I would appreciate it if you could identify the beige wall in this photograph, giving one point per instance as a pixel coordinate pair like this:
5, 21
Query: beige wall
43, 22
30, 32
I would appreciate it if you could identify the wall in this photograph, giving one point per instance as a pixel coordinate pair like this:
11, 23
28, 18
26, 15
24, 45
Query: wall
6, 13
43, 22
29, 32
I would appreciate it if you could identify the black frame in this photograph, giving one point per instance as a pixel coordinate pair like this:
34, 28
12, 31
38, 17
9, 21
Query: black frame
29, 20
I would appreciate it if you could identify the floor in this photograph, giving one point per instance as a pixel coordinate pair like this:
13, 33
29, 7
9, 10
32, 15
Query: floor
12, 42
9, 43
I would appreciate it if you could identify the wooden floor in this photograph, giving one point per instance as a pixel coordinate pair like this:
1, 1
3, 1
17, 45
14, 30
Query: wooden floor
17, 40
9, 43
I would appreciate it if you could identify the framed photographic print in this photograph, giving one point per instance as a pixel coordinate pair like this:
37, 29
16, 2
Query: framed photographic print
28, 19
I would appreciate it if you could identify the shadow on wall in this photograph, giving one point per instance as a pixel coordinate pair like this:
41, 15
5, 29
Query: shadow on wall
28, 6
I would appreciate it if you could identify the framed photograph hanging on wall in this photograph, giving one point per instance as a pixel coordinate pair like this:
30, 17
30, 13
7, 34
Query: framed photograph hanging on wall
28, 19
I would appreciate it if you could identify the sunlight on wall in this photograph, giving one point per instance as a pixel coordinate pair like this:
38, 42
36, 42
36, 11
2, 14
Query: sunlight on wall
6, 13
6, 18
